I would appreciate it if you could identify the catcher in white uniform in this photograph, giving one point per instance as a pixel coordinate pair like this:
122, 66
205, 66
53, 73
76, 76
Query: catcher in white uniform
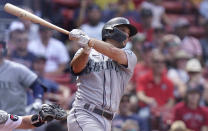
47, 113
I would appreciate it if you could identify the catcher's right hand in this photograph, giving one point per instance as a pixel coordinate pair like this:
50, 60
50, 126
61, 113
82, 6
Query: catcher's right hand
49, 112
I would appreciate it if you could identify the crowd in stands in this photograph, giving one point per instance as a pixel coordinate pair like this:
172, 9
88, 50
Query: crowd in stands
168, 90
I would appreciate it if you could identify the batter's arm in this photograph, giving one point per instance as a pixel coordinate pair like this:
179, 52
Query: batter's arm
79, 61
109, 50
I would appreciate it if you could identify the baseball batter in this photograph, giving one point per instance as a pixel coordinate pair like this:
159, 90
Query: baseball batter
48, 112
103, 69
15, 79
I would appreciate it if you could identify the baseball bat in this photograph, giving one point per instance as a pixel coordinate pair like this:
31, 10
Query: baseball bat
26, 15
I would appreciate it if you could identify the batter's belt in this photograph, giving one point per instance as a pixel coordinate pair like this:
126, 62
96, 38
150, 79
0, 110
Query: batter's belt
98, 111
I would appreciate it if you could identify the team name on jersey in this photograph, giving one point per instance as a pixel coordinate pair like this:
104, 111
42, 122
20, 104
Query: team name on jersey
93, 66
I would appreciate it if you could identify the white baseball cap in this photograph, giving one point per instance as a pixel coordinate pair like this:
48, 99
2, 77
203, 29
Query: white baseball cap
193, 65
16, 25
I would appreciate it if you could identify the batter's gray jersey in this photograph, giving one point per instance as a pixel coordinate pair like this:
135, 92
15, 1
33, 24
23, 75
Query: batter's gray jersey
14, 81
103, 81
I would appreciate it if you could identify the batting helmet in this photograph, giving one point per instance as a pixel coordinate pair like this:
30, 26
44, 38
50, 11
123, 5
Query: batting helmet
3, 49
110, 31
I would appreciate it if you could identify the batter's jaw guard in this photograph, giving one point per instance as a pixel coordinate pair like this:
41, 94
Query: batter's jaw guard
110, 31
3, 49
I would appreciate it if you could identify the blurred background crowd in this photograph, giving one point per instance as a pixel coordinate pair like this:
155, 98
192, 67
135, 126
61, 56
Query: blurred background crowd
168, 90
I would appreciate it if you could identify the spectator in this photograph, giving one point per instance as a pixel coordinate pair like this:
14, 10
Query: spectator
178, 75
121, 8
141, 68
158, 34
189, 44
154, 89
125, 114
203, 9
80, 13
194, 69
30, 28
21, 54
144, 26
169, 47
204, 44
179, 126
55, 92
158, 11
53, 49
144, 65
13, 31
137, 41
194, 116
93, 27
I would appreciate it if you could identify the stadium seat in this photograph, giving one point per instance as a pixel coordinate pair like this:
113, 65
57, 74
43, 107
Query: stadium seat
177, 7
174, 17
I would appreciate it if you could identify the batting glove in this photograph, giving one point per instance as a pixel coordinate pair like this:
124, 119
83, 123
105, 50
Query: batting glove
79, 36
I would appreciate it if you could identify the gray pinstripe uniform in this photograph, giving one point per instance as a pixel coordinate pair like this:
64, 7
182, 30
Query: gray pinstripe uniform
101, 84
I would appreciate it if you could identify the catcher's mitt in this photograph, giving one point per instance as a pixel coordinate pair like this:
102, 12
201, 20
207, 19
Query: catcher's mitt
49, 112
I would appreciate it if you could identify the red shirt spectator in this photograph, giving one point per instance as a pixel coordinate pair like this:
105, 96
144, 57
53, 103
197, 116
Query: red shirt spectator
140, 69
193, 118
162, 92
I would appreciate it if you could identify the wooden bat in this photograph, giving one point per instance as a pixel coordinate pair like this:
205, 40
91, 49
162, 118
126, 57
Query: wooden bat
26, 15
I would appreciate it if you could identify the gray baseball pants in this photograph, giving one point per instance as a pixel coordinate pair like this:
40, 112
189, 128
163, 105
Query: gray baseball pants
84, 120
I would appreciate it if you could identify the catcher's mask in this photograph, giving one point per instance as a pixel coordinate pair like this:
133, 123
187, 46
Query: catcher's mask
110, 30
3, 49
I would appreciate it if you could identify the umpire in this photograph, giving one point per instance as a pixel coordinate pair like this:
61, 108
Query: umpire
103, 69
15, 80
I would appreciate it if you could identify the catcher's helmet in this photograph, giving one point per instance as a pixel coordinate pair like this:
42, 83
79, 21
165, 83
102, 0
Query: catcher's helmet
3, 49
110, 31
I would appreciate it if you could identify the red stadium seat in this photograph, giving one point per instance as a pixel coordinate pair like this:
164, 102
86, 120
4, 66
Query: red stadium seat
174, 17
177, 6
172, 6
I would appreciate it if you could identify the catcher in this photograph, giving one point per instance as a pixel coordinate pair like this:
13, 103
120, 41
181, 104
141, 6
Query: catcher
48, 112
